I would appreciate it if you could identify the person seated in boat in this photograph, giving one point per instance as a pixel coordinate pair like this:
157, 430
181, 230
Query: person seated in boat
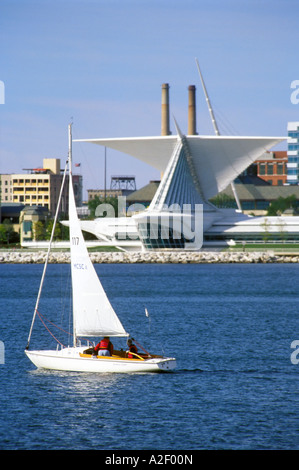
132, 349
104, 347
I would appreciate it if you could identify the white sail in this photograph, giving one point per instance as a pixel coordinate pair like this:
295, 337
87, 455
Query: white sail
92, 312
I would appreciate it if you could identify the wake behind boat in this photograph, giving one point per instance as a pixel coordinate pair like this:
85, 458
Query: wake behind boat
93, 314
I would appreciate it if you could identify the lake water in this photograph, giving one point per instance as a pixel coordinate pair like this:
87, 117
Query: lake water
230, 327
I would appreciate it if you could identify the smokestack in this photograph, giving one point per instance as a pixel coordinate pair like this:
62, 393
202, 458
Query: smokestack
165, 130
191, 111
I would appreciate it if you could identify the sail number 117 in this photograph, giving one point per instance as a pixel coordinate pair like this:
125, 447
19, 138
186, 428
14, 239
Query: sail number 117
75, 240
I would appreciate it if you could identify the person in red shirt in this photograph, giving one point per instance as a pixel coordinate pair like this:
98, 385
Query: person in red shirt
132, 349
104, 347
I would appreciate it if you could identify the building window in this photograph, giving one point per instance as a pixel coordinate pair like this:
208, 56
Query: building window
270, 169
27, 226
293, 134
280, 168
293, 147
248, 205
262, 169
262, 205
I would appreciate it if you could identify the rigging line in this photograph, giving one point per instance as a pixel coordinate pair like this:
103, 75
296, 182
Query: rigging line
39, 315
48, 254
53, 324
139, 345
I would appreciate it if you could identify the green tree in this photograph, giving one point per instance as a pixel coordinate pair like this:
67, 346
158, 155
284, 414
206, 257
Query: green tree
7, 233
224, 201
281, 227
57, 231
278, 206
266, 225
3, 238
39, 230
64, 231
96, 201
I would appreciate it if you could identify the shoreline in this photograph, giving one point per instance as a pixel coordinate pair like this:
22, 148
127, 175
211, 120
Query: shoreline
17, 257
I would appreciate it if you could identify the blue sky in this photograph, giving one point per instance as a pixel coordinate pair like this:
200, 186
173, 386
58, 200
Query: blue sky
102, 63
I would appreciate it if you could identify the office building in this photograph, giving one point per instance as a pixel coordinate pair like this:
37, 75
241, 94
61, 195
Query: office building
272, 167
293, 153
39, 187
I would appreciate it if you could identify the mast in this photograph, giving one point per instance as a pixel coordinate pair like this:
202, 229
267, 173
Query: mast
47, 257
70, 148
216, 129
70, 195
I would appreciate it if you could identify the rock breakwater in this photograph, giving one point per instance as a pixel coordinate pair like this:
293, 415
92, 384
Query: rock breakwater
17, 257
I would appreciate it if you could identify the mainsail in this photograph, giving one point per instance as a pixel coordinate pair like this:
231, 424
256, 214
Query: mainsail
93, 315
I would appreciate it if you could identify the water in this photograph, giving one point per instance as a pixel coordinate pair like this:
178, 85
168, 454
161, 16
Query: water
230, 327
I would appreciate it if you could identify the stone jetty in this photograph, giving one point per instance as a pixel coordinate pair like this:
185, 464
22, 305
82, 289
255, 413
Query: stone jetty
24, 257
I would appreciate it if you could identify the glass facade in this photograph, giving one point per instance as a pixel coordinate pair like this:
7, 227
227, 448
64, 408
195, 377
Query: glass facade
164, 227
156, 235
293, 146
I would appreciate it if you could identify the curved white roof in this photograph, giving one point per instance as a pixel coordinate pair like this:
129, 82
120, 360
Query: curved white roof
218, 160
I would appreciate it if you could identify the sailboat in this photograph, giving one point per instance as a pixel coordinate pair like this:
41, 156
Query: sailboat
93, 314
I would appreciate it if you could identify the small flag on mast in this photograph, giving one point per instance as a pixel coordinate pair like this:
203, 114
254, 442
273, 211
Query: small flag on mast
77, 164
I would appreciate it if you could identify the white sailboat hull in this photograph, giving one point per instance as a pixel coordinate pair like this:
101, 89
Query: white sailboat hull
71, 359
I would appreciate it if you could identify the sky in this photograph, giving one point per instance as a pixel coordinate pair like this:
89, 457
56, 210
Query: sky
101, 64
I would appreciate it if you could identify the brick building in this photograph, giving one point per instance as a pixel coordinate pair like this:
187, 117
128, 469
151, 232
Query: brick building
272, 167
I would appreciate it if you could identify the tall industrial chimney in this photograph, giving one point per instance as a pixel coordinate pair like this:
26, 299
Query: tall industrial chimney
192, 111
165, 130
